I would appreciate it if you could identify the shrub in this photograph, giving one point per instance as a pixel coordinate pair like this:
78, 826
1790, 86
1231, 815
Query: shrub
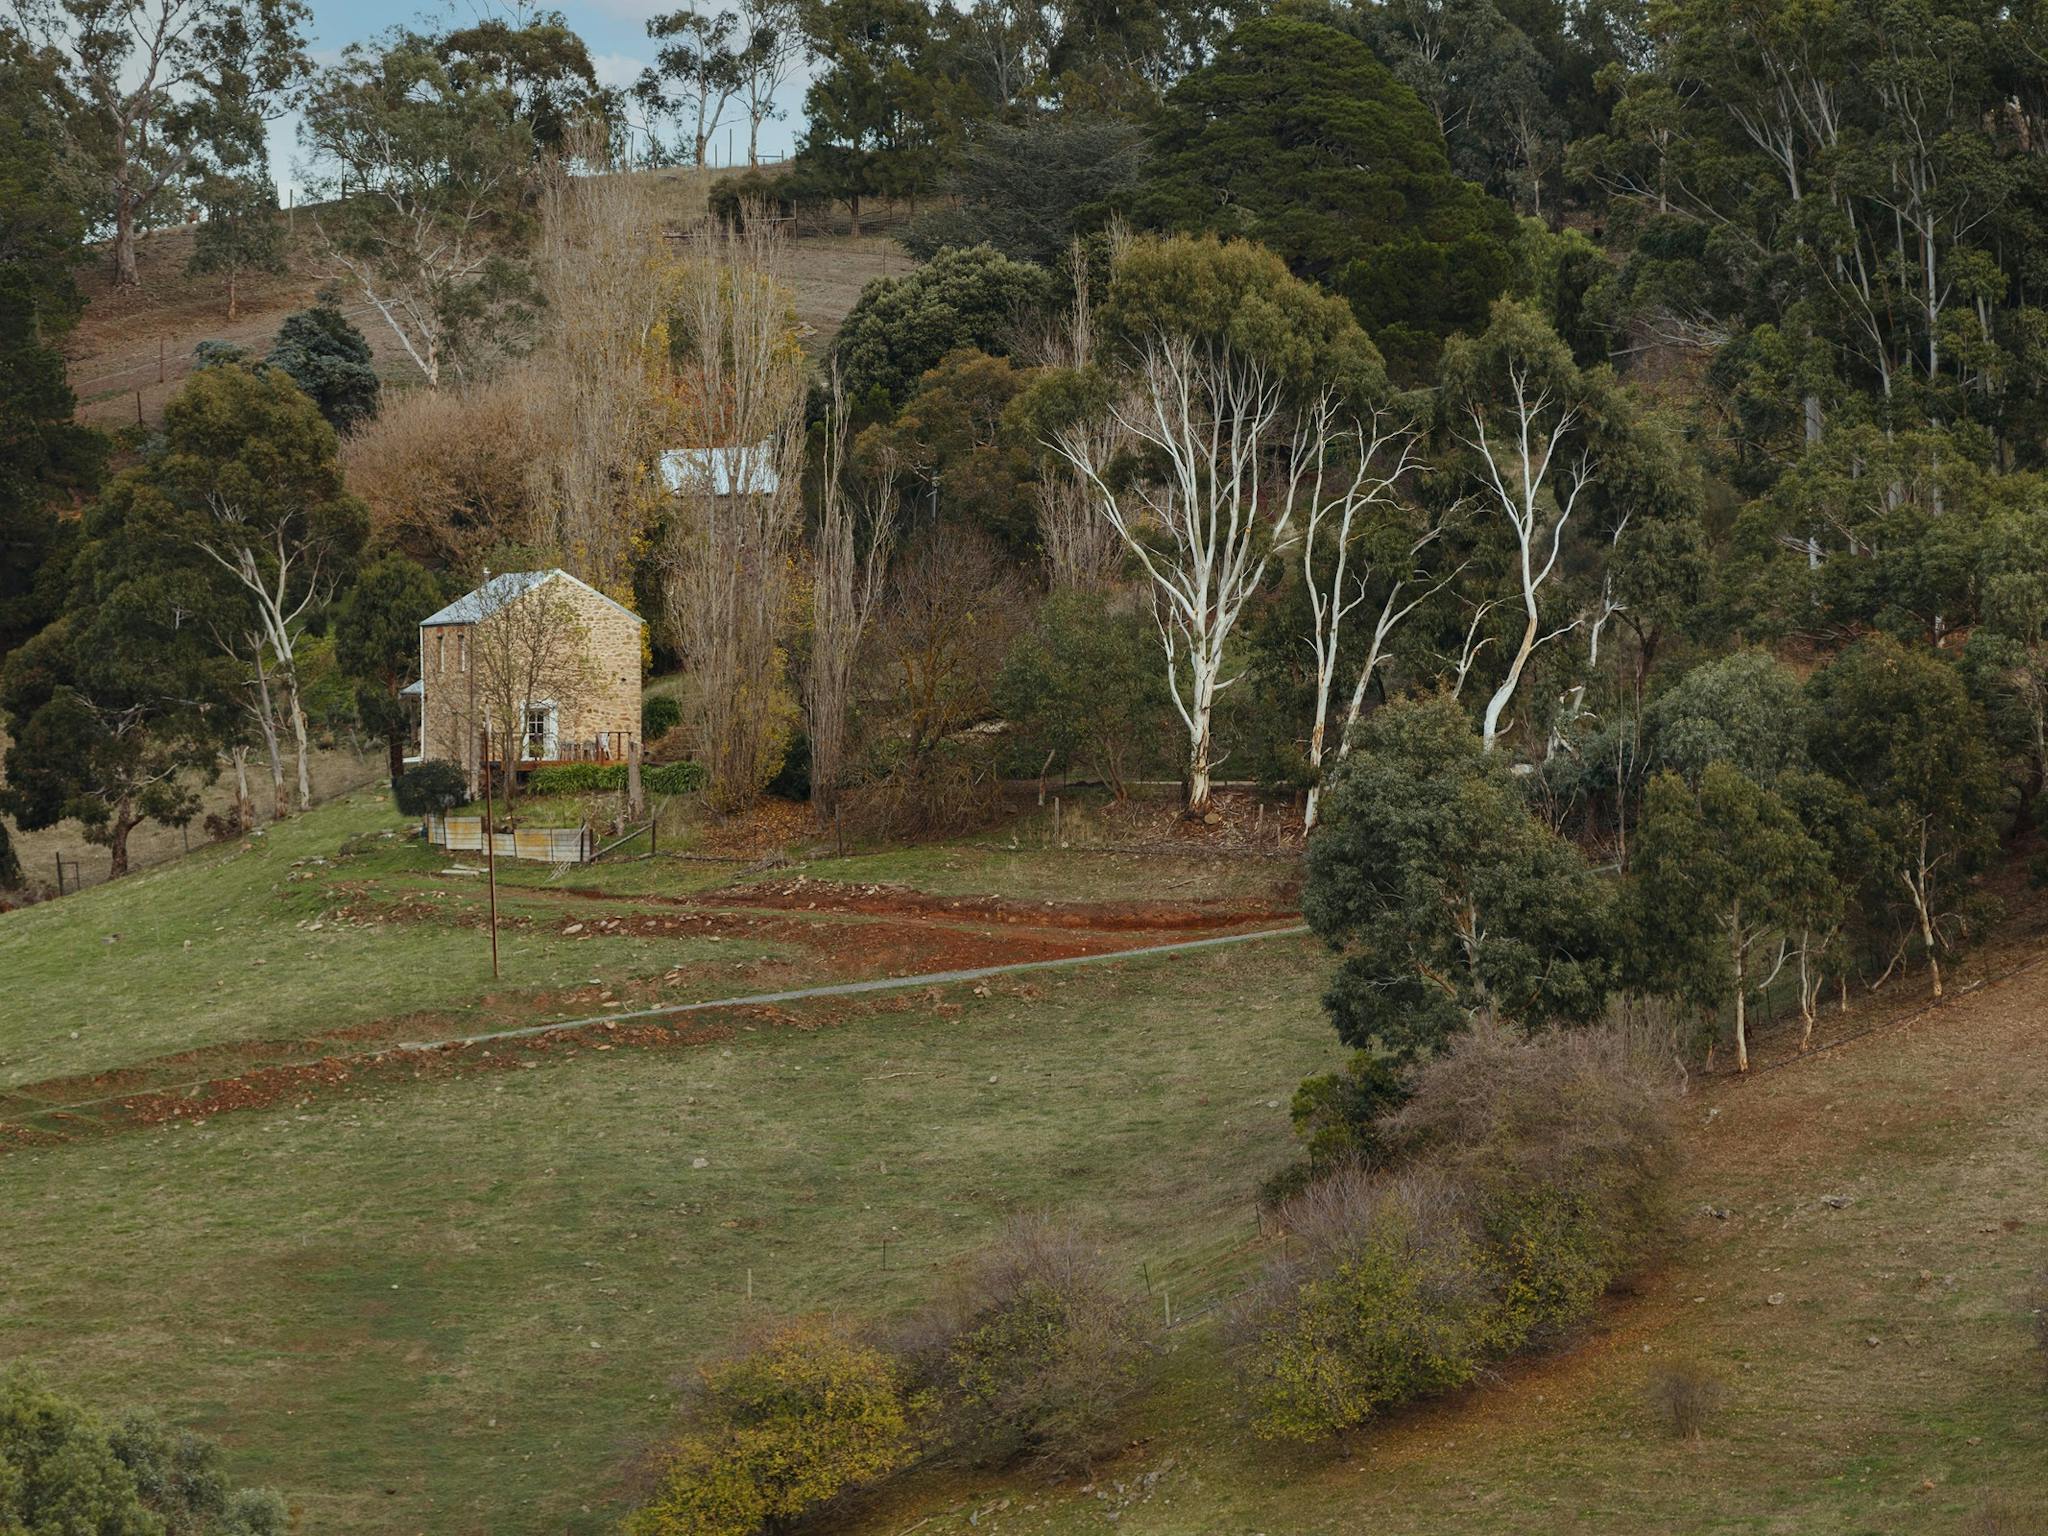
1685, 1395
902, 326
673, 778
598, 778
792, 780
1517, 1182
779, 194
660, 713
433, 784
804, 1416
1335, 1113
1034, 1356
62, 1470
1580, 1116
1394, 1302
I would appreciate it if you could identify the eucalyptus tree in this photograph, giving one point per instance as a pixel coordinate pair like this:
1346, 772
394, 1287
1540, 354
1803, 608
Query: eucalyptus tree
426, 165
156, 82
1727, 882
1221, 363
1897, 726
1448, 900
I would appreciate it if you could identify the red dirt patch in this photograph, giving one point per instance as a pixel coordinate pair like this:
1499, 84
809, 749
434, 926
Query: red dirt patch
806, 895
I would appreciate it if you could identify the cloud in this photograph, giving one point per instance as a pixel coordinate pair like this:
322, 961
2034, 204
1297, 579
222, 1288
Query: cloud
616, 69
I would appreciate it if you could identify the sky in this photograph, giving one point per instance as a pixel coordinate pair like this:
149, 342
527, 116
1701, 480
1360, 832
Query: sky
615, 31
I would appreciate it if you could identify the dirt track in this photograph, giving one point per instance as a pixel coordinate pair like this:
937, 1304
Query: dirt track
213, 1080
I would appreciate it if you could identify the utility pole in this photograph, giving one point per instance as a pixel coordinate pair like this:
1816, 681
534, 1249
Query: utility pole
490, 853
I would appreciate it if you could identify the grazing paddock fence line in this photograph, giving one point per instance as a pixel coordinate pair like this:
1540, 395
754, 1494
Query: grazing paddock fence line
540, 845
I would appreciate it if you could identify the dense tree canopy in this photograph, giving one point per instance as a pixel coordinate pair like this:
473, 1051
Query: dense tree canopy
1447, 898
1298, 138
903, 326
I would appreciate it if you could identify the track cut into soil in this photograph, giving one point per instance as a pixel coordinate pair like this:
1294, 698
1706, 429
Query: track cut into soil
807, 895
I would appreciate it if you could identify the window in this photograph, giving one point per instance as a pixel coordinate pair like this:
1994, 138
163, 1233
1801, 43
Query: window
540, 731
462, 649
440, 649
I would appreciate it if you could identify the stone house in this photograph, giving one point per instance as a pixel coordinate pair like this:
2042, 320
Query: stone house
542, 666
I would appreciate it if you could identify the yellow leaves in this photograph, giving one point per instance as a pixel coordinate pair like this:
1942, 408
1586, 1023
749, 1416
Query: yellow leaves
807, 1414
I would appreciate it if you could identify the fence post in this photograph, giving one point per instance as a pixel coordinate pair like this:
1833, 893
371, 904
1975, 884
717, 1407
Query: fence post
60, 874
636, 804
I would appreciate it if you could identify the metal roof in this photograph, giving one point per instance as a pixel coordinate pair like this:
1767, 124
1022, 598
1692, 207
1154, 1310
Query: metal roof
502, 589
731, 470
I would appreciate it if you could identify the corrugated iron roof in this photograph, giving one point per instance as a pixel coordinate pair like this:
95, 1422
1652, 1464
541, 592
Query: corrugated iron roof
731, 470
502, 589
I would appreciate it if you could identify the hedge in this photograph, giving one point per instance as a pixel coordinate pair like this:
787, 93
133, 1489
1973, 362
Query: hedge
590, 778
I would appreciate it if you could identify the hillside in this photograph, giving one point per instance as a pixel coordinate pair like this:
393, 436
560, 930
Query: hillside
134, 346
458, 1290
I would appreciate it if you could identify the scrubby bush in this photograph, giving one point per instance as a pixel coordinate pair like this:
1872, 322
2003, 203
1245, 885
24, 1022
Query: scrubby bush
1336, 1115
1517, 1182
792, 780
1581, 1117
1033, 1356
597, 778
434, 784
1394, 1301
803, 1417
660, 713
902, 326
1684, 1396
778, 194
62, 1471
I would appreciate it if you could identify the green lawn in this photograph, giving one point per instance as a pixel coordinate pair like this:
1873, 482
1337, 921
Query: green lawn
221, 948
279, 940
460, 1305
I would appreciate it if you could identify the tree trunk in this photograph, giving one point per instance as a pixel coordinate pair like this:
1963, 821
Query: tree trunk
1809, 989
1736, 953
231, 294
267, 718
1315, 790
125, 821
245, 807
299, 738
853, 211
1505, 693
395, 745
125, 274
1199, 799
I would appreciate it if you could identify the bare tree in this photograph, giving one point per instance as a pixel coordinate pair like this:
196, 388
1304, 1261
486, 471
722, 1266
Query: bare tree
1207, 521
530, 654
1339, 563
1082, 549
1516, 476
605, 275
285, 566
448, 473
849, 560
731, 543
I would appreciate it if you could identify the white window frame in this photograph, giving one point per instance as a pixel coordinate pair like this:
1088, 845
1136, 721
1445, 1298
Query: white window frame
550, 738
